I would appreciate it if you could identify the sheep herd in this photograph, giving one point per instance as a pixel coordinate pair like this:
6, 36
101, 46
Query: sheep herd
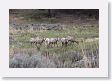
53, 42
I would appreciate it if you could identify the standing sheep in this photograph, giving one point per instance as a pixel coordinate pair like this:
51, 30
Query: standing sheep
68, 40
64, 41
51, 41
37, 41
32, 41
71, 40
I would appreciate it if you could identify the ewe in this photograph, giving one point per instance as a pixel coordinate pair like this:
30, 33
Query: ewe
37, 41
51, 41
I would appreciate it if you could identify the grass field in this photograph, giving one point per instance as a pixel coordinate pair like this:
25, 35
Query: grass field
83, 55
22, 45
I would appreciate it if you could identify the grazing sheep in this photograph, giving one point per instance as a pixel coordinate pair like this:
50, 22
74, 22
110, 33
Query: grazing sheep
32, 41
51, 41
71, 40
37, 40
68, 40
64, 41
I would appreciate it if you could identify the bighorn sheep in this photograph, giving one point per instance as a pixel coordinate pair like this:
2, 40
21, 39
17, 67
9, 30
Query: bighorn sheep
37, 40
51, 41
32, 41
64, 41
68, 40
71, 40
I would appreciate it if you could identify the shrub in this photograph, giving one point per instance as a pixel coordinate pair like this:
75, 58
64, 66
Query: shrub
34, 61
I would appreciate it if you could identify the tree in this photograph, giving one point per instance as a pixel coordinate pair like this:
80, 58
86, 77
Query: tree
49, 13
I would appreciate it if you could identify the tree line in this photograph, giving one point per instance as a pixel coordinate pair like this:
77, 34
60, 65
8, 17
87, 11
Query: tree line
54, 12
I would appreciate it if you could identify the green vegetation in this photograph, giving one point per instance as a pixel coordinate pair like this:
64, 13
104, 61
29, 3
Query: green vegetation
79, 32
74, 55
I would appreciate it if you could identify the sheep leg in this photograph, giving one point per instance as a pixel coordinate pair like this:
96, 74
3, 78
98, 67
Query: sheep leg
31, 43
48, 45
54, 44
76, 42
63, 44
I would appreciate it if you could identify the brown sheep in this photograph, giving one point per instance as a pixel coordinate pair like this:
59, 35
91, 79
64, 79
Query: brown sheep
37, 41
